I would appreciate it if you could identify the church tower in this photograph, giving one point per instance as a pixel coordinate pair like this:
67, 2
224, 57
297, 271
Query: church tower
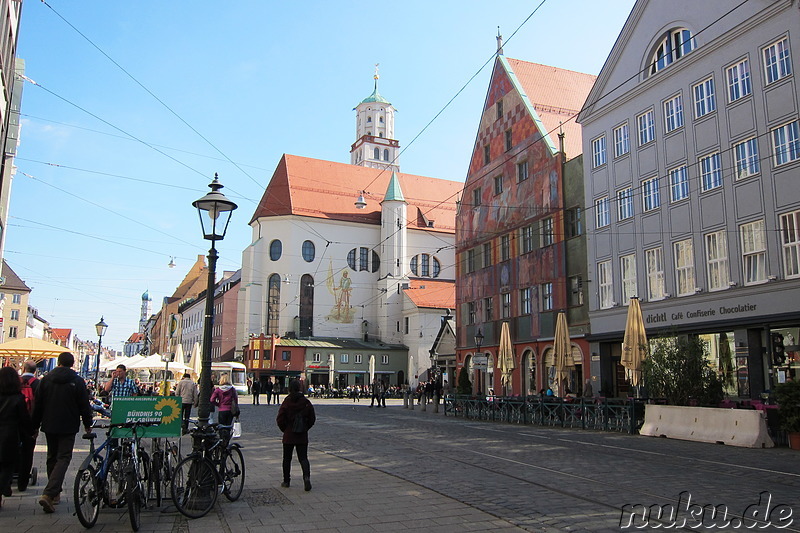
375, 146
394, 243
147, 310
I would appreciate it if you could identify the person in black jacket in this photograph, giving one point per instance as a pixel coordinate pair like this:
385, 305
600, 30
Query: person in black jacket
15, 426
62, 401
293, 406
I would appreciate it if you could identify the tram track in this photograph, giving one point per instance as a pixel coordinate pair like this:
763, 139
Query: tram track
516, 473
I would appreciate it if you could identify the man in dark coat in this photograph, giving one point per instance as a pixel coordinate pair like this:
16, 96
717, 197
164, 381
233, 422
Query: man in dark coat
268, 390
62, 401
295, 405
255, 388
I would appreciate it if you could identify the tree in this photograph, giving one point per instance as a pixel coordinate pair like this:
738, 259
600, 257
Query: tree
464, 384
677, 369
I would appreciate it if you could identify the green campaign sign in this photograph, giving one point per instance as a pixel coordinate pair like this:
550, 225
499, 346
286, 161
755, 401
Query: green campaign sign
163, 409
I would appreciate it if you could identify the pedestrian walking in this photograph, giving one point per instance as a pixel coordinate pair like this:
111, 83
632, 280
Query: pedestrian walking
15, 427
384, 387
256, 389
225, 399
61, 402
295, 417
29, 384
268, 390
190, 397
276, 393
375, 393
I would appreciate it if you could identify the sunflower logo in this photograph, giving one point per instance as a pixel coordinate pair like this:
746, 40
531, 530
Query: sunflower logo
174, 411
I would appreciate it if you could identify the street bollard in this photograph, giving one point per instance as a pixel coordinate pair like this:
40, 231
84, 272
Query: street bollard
411, 401
435, 402
424, 402
405, 399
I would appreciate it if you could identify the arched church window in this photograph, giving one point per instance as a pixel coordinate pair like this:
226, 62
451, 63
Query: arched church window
386, 155
377, 154
381, 120
673, 45
369, 119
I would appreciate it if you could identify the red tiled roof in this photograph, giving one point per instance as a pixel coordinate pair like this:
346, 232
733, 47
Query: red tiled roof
325, 189
557, 95
135, 337
60, 333
432, 294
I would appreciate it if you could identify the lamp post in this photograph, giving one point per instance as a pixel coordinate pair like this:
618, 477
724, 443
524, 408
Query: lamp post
214, 226
478, 343
101, 328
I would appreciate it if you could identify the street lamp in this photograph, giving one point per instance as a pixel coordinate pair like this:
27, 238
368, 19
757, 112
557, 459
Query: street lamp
478, 342
101, 328
214, 226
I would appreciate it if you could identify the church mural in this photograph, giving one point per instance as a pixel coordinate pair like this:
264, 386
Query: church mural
342, 311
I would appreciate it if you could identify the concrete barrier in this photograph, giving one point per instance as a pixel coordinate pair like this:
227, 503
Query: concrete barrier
735, 427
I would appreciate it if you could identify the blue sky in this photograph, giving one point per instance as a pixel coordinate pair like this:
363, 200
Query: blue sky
107, 174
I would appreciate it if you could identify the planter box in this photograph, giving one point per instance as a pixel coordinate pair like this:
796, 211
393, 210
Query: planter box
736, 427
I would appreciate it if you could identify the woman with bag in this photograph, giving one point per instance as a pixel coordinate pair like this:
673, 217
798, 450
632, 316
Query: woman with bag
295, 417
225, 399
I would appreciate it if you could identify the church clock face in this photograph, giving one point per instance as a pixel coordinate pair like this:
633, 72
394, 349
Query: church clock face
504, 275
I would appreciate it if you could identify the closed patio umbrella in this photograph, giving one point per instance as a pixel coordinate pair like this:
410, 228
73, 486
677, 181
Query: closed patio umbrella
371, 368
562, 352
195, 362
634, 344
505, 359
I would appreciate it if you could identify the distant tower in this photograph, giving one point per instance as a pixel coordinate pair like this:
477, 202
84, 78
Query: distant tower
147, 310
394, 243
375, 145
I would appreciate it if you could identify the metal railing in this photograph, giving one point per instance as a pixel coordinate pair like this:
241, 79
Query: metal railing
605, 414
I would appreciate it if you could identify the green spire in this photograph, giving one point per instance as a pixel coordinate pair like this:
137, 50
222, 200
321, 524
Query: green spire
375, 96
393, 191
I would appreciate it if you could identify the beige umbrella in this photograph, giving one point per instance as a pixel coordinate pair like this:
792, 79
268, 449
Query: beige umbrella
505, 359
562, 352
30, 348
634, 344
331, 370
371, 368
195, 362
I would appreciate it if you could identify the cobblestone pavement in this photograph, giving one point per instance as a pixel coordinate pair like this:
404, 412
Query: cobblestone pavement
397, 469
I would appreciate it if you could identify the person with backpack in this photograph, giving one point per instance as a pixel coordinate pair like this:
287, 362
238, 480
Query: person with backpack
29, 383
295, 417
15, 426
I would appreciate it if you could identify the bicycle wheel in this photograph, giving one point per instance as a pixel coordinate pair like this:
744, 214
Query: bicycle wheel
154, 478
133, 495
168, 461
194, 486
114, 489
87, 497
233, 473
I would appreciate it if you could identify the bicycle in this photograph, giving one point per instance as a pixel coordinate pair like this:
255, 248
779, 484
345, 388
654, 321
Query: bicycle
215, 465
163, 459
114, 478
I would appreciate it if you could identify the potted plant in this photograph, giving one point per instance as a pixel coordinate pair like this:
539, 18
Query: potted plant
788, 396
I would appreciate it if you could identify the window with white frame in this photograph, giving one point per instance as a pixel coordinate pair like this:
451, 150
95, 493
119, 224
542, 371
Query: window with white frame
505, 301
684, 267
15, 314
487, 254
655, 274
786, 143
627, 264
605, 284
358, 359
651, 197
673, 113
745, 154
527, 239
717, 260
705, 101
599, 151
384, 359
754, 252
16, 298
601, 211
344, 358
547, 296
498, 184
470, 266
674, 44
621, 140
470, 313
525, 307
625, 203
647, 127
575, 294
777, 62
790, 243
505, 248
738, 77
522, 171
547, 231
710, 171
679, 183
488, 309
